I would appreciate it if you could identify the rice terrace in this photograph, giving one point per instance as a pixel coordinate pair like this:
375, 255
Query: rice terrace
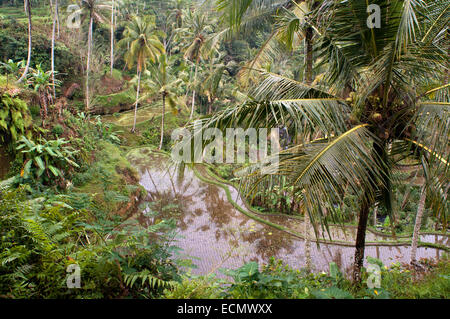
224, 149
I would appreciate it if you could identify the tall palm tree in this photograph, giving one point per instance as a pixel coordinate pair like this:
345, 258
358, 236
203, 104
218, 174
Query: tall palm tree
113, 8
368, 113
27, 7
161, 81
200, 42
144, 45
94, 10
210, 85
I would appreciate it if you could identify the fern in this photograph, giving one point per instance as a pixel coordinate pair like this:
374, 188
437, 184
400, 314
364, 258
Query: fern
146, 276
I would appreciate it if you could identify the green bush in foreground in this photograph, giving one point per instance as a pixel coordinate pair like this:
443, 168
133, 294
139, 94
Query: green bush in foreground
41, 237
278, 281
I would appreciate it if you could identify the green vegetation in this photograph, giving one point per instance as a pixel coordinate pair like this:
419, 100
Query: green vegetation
278, 281
362, 113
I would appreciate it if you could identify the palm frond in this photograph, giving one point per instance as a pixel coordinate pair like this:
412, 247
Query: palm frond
326, 170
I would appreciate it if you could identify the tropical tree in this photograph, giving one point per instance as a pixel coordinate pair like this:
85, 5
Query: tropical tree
162, 82
201, 41
43, 83
366, 112
144, 45
54, 25
211, 83
27, 7
11, 67
115, 6
435, 189
94, 10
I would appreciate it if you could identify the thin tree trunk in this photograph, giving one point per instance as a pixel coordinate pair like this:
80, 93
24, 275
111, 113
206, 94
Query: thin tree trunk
91, 22
420, 210
307, 243
375, 213
308, 55
137, 101
162, 120
53, 48
193, 93
27, 5
360, 241
57, 19
112, 37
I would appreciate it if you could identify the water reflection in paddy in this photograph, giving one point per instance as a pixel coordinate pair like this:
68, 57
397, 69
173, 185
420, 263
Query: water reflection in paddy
217, 235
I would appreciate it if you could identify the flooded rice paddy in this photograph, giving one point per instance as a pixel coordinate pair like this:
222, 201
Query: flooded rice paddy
215, 234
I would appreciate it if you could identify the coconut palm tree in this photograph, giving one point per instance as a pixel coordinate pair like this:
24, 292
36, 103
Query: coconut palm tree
201, 41
27, 7
162, 82
368, 111
210, 84
114, 8
144, 46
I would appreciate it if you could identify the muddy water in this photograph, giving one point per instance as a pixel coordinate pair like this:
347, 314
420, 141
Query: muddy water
214, 234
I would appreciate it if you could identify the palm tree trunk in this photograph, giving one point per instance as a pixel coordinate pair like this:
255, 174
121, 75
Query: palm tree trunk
53, 49
57, 18
137, 100
112, 36
91, 22
193, 93
27, 5
162, 120
307, 243
360, 241
420, 210
308, 55
375, 213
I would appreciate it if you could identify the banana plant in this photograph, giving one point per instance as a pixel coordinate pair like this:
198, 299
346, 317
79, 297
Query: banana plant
12, 67
43, 83
46, 157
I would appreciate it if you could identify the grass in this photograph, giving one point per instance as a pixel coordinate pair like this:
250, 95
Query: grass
276, 280
109, 179
124, 98
41, 14
403, 283
126, 119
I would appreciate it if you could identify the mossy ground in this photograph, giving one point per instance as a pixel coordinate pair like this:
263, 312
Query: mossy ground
126, 119
39, 14
110, 179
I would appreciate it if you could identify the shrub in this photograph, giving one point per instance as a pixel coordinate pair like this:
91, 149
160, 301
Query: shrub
58, 130
41, 238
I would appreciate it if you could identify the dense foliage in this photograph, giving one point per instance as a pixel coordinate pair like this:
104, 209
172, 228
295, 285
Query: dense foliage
363, 117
